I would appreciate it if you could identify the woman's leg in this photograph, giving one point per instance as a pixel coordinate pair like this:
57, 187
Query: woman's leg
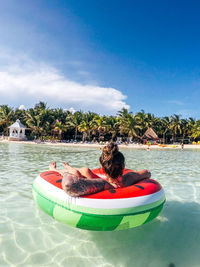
52, 167
72, 170
84, 172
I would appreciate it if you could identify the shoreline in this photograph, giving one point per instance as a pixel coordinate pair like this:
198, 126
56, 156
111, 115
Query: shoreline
129, 146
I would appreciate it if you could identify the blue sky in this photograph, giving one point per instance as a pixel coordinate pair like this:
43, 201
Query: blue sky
101, 55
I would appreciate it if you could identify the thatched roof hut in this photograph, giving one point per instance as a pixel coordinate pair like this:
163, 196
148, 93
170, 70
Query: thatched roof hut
150, 135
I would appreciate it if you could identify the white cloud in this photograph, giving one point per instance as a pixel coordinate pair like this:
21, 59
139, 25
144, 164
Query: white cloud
72, 110
186, 113
76, 63
34, 82
83, 73
176, 102
21, 107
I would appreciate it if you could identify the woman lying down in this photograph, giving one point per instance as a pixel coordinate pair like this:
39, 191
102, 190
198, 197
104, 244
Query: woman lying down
79, 182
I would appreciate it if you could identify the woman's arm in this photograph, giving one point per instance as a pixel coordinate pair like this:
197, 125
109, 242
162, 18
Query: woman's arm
134, 177
75, 186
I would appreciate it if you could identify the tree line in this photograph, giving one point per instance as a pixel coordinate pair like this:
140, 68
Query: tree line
48, 123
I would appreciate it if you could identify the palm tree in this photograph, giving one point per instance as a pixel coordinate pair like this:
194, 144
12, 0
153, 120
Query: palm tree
41, 119
141, 121
175, 126
190, 126
123, 113
149, 120
127, 123
60, 114
111, 126
165, 126
59, 128
99, 125
73, 121
196, 129
6, 117
87, 124
184, 128
36, 122
40, 106
20, 114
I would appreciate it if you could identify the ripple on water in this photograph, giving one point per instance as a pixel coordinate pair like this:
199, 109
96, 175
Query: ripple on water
28, 237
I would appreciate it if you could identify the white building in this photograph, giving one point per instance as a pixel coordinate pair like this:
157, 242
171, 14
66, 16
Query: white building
17, 131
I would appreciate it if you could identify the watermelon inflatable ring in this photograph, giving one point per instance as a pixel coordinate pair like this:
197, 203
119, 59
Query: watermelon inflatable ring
115, 209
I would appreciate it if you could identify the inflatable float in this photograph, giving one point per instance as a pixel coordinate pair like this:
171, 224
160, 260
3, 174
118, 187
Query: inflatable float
114, 209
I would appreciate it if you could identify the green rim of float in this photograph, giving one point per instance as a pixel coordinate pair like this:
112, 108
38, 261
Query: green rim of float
95, 213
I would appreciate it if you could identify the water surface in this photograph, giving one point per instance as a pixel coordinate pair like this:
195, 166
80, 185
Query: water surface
29, 237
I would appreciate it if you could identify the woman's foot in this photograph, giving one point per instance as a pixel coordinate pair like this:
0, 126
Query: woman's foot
52, 166
68, 167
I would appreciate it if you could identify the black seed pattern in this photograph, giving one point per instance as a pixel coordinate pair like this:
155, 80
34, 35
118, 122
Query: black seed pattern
139, 186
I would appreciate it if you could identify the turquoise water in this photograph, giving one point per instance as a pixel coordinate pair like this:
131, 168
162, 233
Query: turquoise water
29, 237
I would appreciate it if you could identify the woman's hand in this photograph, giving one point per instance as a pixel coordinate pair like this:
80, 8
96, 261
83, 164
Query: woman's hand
146, 174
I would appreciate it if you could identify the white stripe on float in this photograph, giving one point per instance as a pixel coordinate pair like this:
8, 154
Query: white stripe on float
99, 203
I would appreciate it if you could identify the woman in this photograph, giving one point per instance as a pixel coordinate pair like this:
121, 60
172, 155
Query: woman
77, 182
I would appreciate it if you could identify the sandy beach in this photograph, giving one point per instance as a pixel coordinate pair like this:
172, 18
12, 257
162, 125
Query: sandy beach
96, 145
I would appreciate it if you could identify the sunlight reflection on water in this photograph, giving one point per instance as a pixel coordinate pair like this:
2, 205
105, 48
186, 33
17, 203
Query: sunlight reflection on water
30, 237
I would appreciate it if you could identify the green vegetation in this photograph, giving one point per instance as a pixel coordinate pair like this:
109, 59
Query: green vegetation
43, 122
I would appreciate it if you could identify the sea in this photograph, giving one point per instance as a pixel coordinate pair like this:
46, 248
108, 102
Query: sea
29, 237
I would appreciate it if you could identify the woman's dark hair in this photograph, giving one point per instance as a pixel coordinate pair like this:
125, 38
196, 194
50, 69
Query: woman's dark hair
112, 160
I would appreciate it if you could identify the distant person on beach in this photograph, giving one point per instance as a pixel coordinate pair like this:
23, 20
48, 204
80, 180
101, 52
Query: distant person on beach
83, 181
148, 147
182, 145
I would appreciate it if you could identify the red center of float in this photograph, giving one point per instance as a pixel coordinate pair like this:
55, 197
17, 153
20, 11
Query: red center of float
144, 187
